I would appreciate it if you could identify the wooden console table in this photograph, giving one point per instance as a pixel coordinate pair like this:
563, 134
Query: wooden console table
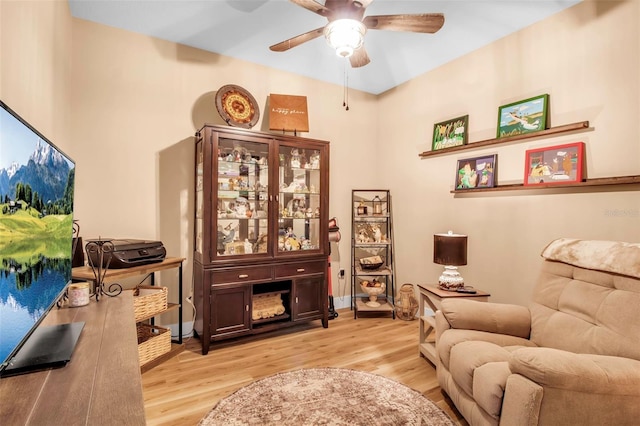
101, 385
85, 273
432, 296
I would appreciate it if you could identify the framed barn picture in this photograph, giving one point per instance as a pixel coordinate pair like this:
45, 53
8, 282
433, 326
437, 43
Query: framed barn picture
476, 172
450, 133
559, 164
527, 116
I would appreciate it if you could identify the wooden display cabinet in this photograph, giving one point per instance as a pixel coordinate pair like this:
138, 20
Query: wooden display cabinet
261, 228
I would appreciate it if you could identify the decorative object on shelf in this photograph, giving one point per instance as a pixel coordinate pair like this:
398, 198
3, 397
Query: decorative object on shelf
102, 251
450, 250
450, 133
527, 116
266, 306
153, 341
288, 113
373, 288
371, 263
362, 209
559, 164
370, 233
237, 107
377, 205
149, 301
477, 172
78, 294
407, 304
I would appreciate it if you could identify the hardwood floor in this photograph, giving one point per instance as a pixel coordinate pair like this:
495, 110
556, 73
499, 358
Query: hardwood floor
183, 389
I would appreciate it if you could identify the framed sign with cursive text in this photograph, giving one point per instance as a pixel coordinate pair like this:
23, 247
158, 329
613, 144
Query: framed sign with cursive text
288, 113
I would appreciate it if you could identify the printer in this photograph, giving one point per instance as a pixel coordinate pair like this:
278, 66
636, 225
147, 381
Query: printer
126, 253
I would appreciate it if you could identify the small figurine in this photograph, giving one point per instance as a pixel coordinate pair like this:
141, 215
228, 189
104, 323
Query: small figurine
377, 234
315, 160
295, 158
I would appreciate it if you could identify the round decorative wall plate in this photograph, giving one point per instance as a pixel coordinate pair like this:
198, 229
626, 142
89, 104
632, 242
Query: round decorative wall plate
237, 107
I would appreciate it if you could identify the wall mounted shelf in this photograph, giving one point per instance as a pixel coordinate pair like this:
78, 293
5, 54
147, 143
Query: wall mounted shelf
619, 180
573, 127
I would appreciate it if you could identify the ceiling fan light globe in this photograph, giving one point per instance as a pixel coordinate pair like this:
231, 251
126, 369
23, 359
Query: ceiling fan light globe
345, 36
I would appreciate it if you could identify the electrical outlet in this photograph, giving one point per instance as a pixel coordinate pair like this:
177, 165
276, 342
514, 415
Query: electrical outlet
341, 273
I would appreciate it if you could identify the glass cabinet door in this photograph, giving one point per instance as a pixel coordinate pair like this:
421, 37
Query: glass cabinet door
242, 201
298, 199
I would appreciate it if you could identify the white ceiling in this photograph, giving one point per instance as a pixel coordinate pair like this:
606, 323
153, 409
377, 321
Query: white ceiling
245, 29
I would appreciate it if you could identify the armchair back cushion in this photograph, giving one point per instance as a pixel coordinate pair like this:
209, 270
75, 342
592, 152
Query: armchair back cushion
587, 311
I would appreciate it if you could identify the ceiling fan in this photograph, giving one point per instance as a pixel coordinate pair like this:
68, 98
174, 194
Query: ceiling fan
348, 25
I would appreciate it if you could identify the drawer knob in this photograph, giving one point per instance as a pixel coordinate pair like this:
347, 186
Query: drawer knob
243, 276
300, 270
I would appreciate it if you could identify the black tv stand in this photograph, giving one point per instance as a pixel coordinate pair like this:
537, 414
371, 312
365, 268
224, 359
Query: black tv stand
47, 347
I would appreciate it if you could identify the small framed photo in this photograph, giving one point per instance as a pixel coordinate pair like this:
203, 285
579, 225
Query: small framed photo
522, 117
450, 133
560, 164
476, 172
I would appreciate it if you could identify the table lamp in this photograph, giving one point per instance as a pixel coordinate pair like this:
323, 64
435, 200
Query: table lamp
450, 250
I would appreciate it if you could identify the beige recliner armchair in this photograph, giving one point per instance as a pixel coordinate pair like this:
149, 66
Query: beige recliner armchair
571, 358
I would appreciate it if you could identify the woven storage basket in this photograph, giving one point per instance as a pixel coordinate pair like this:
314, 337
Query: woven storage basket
153, 341
149, 305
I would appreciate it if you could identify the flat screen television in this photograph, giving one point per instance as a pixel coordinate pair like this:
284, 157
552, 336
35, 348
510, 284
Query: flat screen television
36, 234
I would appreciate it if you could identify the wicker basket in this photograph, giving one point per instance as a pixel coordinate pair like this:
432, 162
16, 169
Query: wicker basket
153, 341
149, 305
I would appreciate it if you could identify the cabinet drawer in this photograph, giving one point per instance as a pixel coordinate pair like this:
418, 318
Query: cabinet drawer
299, 268
240, 275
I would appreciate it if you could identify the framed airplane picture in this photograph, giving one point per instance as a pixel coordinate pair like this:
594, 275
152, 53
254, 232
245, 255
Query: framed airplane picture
527, 116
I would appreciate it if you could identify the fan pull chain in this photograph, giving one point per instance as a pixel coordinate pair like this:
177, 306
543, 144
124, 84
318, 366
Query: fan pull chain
345, 92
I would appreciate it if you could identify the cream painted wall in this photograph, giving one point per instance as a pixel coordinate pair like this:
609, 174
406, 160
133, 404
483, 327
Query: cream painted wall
35, 65
587, 59
125, 107
137, 102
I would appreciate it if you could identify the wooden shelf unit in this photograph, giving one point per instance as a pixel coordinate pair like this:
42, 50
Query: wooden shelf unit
280, 247
605, 181
567, 128
85, 273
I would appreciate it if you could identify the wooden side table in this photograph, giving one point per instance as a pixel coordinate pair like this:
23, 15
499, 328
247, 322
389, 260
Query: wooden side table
432, 296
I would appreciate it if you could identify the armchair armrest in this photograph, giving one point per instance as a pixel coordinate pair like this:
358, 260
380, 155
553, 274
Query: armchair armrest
513, 320
601, 374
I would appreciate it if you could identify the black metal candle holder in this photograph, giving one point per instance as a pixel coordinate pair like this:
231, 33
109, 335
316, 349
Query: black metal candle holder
99, 254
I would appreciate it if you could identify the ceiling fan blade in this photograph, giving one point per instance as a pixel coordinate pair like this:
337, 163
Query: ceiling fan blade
297, 40
418, 23
360, 58
313, 6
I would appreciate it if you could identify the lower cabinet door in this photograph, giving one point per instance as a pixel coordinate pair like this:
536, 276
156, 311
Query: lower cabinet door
308, 298
230, 310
